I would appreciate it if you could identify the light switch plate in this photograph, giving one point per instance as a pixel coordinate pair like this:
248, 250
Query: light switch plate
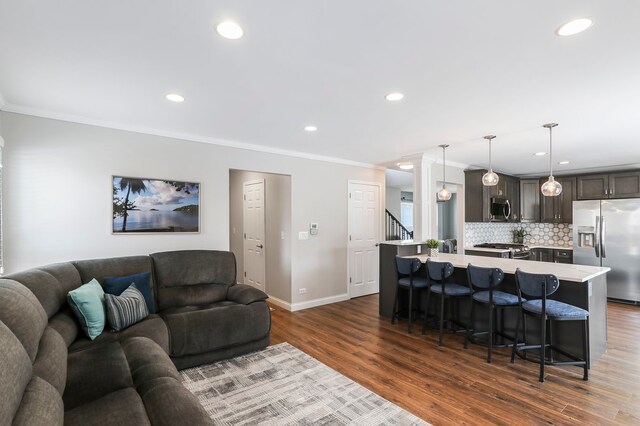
303, 235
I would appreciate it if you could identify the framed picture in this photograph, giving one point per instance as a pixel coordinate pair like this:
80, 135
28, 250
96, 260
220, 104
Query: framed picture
155, 205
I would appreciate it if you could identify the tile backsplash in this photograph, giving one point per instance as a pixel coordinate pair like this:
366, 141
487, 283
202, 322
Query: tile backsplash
554, 234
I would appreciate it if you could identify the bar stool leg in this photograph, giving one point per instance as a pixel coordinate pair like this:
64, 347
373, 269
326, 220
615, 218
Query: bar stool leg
490, 332
441, 318
543, 340
410, 307
585, 348
426, 313
515, 338
471, 321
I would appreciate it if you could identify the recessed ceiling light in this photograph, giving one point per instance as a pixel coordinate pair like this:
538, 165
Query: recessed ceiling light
563, 162
310, 128
173, 97
395, 96
540, 154
574, 27
405, 166
230, 30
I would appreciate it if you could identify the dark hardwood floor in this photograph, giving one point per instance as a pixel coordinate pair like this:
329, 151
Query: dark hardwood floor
447, 385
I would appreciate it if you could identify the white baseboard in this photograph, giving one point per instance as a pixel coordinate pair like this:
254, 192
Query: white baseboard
319, 302
280, 303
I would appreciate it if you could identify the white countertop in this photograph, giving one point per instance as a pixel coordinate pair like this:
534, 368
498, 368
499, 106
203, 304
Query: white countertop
403, 242
564, 271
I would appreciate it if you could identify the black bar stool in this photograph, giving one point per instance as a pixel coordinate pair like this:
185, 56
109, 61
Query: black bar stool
482, 282
539, 286
439, 272
406, 269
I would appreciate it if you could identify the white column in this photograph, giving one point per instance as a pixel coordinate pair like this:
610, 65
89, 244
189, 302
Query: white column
423, 197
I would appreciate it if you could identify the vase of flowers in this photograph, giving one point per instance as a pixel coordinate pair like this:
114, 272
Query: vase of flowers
432, 248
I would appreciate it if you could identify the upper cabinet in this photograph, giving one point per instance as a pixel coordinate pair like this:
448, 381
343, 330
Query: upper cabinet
478, 197
608, 185
558, 209
529, 200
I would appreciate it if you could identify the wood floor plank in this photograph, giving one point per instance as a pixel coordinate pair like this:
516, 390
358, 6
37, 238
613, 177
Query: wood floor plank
447, 385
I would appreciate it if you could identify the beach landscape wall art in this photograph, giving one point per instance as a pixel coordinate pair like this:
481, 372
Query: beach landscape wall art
155, 205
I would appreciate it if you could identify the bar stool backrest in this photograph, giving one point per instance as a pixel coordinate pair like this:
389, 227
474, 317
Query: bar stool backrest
407, 266
484, 278
439, 271
536, 285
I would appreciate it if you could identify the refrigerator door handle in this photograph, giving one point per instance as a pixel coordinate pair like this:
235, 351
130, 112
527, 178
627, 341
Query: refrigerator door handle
603, 233
596, 245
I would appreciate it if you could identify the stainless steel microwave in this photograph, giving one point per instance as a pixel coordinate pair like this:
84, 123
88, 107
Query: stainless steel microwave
500, 209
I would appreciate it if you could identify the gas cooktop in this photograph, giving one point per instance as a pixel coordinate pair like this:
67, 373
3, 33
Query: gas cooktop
504, 246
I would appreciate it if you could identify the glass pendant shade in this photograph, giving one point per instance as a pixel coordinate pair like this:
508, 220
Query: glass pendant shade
551, 188
444, 194
490, 178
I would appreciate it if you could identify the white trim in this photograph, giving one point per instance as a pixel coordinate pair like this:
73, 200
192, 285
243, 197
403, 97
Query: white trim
319, 302
184, 136
279, 302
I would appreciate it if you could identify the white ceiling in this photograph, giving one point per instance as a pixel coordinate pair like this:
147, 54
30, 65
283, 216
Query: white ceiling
468, 68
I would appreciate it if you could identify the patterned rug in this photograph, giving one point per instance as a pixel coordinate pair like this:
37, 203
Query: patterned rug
282, 385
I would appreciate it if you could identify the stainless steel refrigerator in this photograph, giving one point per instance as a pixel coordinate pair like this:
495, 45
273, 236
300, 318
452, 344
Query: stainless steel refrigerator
607, 233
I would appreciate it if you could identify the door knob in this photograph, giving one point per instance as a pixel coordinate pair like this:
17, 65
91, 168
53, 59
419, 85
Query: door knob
260, 246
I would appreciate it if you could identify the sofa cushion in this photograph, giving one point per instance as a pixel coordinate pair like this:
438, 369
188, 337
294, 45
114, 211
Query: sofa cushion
94, 372
152, 327
15, 374
209, 328
21, 312
192, 277
126, 309
116, 285
51, 361
87, 303
147, 361
118, 408
41, 405
50, 284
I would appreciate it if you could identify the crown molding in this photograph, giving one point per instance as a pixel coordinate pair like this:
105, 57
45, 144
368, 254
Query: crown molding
183, 136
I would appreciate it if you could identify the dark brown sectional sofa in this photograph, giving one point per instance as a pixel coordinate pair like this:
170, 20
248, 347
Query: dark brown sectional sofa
52, 374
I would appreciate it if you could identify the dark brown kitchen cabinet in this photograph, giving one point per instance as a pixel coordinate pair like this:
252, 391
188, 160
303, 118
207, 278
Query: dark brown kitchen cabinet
542, 254
529, 200
558, 209
478, 197
609, 185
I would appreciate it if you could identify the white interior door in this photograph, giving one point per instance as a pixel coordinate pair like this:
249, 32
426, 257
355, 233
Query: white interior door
253, 224
364, 236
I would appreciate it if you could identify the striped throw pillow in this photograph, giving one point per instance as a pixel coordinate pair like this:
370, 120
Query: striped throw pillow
126, 309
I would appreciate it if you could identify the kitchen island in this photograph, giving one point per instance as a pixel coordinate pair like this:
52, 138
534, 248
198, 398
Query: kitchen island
580, 285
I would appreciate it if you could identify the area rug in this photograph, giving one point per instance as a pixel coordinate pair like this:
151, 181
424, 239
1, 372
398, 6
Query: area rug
282, 385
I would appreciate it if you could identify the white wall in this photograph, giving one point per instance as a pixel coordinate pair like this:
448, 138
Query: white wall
58, 197
392, 201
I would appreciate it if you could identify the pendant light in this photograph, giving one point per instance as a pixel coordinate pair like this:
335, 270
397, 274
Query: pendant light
551, 188
444, 194
490, 178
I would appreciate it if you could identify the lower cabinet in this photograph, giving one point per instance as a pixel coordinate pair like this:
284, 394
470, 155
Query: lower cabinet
551, 255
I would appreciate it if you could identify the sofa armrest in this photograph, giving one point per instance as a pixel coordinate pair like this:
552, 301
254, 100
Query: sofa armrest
245, 294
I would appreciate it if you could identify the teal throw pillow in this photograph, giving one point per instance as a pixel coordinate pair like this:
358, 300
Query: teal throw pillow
87, 303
